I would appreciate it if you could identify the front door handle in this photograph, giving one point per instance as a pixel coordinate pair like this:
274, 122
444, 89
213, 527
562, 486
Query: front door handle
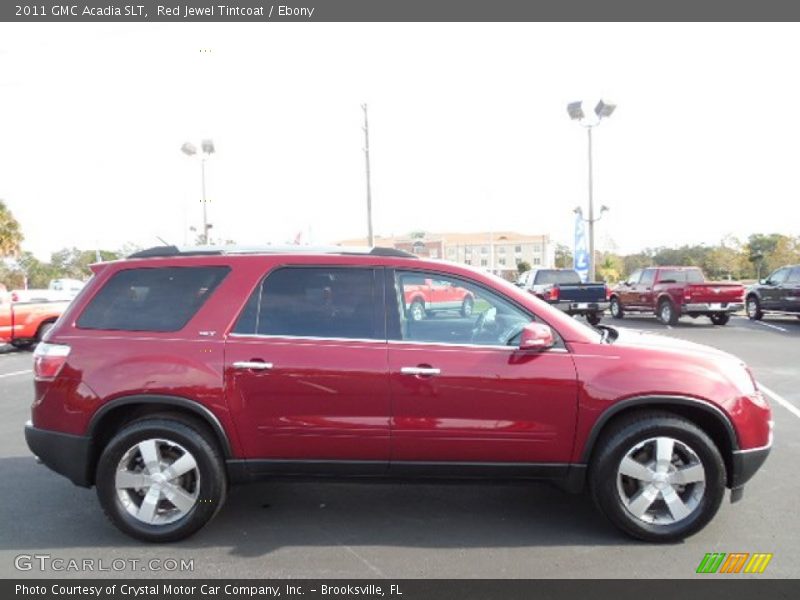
420, 371
252, 364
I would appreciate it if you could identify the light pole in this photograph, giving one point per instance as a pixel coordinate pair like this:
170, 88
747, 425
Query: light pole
370, 236
207, 148
602, 110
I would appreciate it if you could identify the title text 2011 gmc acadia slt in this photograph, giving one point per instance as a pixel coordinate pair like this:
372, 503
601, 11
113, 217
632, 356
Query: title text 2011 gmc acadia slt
175, 373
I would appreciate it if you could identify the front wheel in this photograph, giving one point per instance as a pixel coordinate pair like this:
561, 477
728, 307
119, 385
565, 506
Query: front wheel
161, 479
720, 318
753, 306
657, 477
593, 318
616, 308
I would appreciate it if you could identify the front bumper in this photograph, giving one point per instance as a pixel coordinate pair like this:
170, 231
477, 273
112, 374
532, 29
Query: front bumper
580, 308
712, 307
66, 454
744, 465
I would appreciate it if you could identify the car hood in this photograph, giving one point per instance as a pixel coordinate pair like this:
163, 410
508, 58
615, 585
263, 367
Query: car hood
641, 339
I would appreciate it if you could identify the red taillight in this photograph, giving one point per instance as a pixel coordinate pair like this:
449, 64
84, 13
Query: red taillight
608, 292
553, 293
48, 359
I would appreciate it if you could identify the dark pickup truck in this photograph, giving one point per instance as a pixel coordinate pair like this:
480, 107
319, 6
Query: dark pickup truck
563, 289
777, 294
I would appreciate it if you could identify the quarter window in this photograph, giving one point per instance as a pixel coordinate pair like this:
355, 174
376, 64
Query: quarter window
151, 299
325, 302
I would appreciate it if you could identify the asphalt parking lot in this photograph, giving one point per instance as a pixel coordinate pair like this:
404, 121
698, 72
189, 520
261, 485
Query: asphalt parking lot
327, 530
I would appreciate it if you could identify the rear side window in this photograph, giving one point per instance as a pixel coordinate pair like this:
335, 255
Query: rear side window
151, 299
559, 277
324, 302
681, 275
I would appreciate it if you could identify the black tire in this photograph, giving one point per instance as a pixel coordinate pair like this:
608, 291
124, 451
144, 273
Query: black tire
416, 311
467, 307
616, 308
608, 486
753, 308
720, 318
22, 344
593, 318
210, 492
43, 329
667, 313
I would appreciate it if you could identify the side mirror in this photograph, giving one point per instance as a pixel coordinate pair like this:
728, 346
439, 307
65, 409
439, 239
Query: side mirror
536, 336
763, 282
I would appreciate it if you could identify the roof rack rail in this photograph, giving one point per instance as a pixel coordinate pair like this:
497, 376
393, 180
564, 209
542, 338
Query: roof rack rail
175, 251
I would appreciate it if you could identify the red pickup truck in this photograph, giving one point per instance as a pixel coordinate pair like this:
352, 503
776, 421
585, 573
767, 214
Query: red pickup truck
425, 296
25, 323
671, 292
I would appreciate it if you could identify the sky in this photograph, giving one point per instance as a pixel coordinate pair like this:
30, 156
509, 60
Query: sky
468, 130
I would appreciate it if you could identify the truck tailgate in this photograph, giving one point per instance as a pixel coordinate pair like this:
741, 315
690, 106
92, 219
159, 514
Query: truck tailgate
713, 292
582, 292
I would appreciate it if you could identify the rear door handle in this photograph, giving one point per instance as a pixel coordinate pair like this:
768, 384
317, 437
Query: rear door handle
420, 371
252, 364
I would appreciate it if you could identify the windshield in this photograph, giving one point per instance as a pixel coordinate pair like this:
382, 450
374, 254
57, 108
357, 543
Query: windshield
557, 276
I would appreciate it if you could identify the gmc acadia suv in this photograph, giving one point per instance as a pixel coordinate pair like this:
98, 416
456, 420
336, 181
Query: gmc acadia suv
174, 373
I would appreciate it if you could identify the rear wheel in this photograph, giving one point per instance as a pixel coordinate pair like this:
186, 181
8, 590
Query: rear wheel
753, 306
657, 477
720, 318
667, 313
161, 479
467, 306
43, 329
616, 308
417, 310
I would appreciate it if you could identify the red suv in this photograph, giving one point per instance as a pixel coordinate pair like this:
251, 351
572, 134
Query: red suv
173, 374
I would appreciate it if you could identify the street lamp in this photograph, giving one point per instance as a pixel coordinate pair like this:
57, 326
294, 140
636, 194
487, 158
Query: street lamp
207, 149
602, 111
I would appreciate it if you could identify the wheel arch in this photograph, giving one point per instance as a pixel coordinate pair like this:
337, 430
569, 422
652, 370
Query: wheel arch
709, 418
119, 411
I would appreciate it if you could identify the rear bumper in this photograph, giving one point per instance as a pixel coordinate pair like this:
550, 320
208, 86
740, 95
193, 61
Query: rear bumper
745, 463
68, 455
712, 307
580, 308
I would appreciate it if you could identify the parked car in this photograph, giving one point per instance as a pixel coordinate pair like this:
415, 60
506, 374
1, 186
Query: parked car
778, 294
672, 292
564, 289
22, 324
425, 296
58, 290
176, 373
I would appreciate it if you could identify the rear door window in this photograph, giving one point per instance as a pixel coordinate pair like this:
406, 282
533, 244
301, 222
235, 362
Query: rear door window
316, 302
151, 299
545, 277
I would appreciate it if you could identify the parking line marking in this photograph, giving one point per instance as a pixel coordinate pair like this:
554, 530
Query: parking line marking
782, 401
16, 373
771, 326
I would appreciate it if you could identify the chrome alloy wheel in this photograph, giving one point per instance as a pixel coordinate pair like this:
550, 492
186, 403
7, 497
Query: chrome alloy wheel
752, 308
157, 481
661, 481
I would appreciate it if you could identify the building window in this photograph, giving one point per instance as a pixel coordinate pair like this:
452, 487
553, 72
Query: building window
434, 253
537, 260
451, 252
484, 262
537, 247
484, 249
502, 249
518, 249
502, 261
467, 261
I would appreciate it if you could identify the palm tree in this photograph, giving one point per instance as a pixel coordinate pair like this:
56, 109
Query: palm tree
10, 233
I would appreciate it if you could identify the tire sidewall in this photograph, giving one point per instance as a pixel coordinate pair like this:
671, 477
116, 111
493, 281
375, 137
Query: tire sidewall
616, 308
212, 479
604, 480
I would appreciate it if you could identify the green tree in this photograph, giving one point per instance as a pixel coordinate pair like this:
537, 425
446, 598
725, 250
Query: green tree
523, 266
563, 256
10, 232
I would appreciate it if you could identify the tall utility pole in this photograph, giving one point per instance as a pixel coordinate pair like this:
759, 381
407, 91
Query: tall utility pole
370, 237
603, 110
